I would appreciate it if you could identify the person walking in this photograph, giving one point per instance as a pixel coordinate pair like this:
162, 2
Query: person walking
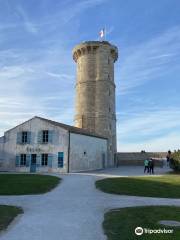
146, 166
151, 166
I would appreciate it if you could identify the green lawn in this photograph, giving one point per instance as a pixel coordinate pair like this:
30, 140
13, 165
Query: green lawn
119, 224
22, 184
166, 186
7, 214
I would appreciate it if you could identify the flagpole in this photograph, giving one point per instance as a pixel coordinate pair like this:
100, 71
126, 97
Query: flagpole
105, 32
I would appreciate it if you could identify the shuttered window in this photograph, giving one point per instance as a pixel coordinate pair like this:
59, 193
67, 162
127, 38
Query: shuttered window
44, 159
45, 136
23, 160
24, 137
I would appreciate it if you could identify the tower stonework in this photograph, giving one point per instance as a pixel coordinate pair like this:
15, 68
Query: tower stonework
95, 91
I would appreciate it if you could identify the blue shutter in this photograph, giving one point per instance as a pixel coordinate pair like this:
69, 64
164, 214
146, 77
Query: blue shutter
28, 160
19, 138
50, 158
17, 160
40, 136
50, 136
28, 137
38, 160
56, 138
55, 159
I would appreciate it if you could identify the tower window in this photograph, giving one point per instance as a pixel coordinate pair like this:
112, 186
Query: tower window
79, 67
109, 109
109, 92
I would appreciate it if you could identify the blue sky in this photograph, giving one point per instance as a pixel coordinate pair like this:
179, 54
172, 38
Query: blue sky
37, 73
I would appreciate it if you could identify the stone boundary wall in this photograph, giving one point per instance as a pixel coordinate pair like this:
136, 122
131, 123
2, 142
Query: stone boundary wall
137, 158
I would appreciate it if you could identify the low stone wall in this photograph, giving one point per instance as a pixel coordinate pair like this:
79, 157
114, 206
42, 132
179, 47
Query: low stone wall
158, 163
137, 158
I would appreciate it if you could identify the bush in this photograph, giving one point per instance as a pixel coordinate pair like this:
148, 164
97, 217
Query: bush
175, 161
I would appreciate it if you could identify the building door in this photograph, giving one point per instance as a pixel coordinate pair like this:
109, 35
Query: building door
60, 159
33, 163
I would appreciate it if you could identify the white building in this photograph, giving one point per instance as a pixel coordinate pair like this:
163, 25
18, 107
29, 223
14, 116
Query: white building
42, 145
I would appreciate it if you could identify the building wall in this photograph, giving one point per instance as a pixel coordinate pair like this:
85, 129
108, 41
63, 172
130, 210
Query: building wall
87, 153
1, 147
1, 152
139, 155
59, 144
95, 90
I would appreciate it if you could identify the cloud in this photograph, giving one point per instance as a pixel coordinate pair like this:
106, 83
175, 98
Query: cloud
149, 122
17, 109
155, 130
160, 144
41, 85
149, 60
66, 13
35, 81
74, 9
145, 125
29, 26
60, 76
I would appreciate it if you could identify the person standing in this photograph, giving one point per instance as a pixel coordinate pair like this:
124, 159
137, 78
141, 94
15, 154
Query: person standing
168, 157
146, 165
151, 166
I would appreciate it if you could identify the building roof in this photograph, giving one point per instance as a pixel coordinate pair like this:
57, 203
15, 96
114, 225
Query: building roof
70, 128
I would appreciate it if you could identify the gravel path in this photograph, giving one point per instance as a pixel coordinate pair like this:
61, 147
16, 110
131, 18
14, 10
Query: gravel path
73, 210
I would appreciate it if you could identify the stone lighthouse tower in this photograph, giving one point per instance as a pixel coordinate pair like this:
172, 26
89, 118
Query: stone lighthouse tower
95, 90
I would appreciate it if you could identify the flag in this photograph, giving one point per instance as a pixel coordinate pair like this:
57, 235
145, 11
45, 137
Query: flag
102, 33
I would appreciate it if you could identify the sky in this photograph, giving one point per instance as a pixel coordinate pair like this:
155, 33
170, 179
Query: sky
37, 72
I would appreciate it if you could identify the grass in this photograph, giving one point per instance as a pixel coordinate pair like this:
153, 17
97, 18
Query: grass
7, 214
119, 224
166, 186
23, 184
